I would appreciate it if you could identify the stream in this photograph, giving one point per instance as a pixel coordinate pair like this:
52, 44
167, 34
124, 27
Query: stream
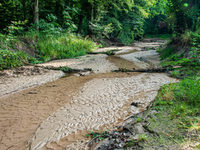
50, 111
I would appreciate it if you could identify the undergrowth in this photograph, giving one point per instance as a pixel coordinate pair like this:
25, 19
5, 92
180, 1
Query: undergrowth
183, 55
12, 59
64, 46
160, 36
43, 47
178, 117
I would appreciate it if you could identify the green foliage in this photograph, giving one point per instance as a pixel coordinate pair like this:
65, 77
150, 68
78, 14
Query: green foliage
65, 69
188, 91
10, 59
5, 42
127, 19
160, 36
184, 97
101, 31
100, 135
47, 27
50, 43
16, 28
186, 57
130, 143
166, 52
64, 46
182, 102
139, 119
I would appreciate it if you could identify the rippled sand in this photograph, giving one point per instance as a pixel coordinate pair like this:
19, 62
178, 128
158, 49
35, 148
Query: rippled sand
99, 103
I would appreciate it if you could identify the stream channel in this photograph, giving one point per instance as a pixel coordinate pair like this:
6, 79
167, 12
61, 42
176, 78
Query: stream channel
46, 110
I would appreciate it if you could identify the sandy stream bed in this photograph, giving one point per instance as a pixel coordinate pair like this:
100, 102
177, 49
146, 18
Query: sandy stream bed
56, 115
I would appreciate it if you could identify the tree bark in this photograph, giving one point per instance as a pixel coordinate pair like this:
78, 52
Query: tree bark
36, 13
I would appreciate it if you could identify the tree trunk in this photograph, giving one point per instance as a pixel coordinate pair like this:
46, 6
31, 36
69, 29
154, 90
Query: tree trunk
36, 14
80, 22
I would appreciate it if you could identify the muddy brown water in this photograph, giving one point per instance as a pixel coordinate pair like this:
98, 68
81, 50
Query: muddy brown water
36, 118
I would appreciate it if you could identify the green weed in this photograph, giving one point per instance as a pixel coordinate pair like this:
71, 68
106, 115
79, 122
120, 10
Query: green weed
182, 99
142, 137
100, 135
64, 46
11, 59
177, 120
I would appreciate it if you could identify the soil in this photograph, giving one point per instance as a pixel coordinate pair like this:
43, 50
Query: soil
57, 114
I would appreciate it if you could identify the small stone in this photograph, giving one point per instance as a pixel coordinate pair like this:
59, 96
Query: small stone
139, 128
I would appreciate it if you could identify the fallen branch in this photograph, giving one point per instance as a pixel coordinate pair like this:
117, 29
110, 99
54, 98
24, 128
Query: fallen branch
154, 70
67, 69
109, 53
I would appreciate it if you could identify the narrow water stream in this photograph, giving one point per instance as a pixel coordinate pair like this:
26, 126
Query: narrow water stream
57, 115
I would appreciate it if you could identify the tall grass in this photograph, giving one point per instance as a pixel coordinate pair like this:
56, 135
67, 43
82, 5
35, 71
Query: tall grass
188, 91
64, 46
182, 101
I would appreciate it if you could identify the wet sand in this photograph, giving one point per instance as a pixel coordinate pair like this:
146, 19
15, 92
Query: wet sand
56, 115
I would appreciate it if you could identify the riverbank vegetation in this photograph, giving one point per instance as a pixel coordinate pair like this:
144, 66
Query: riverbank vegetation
177, 123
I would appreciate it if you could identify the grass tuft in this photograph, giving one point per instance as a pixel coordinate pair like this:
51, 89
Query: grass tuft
12, 59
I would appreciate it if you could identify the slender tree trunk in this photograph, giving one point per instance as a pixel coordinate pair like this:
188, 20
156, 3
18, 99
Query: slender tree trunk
80, 22
92, 12
36, 13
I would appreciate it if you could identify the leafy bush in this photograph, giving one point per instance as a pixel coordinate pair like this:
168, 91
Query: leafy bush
7, 41
10, 59
166, 52
47, 27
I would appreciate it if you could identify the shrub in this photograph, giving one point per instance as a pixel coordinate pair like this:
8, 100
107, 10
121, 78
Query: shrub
166, 52
7, 41
10, 59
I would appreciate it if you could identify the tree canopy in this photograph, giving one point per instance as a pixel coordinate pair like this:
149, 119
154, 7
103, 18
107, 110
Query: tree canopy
122, 20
